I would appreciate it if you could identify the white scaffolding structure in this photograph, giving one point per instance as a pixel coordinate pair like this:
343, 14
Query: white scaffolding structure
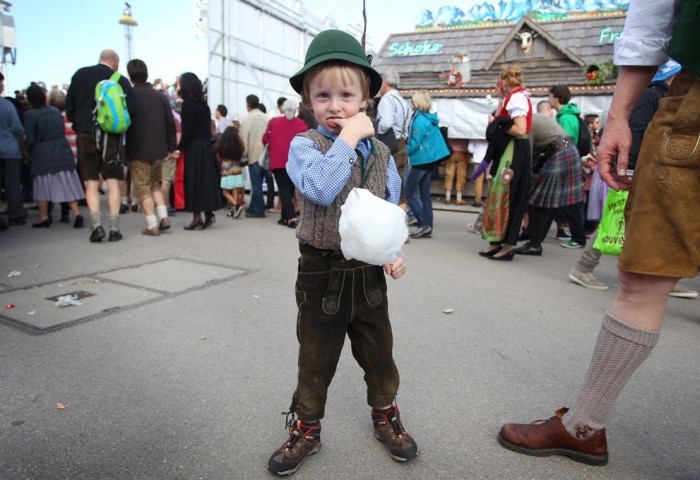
254, 47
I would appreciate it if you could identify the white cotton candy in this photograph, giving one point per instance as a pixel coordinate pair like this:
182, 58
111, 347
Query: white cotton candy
371, 229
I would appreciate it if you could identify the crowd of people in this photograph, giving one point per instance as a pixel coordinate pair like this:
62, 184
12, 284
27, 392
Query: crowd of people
171, 157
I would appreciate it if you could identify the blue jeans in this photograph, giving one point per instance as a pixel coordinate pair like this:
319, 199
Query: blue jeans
418, 196
257, 203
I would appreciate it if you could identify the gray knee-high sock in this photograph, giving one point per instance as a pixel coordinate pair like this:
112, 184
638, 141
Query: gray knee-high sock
620, 349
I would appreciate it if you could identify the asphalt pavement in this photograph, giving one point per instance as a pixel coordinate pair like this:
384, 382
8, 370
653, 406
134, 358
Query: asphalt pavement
182, 354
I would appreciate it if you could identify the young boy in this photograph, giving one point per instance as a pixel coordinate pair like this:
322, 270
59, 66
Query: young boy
337, 296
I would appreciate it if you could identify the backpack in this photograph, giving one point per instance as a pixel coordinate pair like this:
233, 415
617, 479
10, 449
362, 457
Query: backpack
585, 141
111, 114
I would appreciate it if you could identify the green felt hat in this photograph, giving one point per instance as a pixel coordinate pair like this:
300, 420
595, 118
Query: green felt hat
336, 45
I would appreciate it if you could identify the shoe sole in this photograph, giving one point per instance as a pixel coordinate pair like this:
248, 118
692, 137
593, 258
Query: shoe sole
683, 295
394, 457
587, 458
529, 254
291, 472
584, 284
571, 246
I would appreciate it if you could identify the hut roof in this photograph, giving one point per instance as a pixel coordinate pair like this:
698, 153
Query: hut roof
559, 53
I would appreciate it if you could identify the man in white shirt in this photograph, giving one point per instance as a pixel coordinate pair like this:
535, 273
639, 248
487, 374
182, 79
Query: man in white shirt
394, 112
252, 131
662, 235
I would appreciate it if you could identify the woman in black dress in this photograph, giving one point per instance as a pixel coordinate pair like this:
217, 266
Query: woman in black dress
201, 170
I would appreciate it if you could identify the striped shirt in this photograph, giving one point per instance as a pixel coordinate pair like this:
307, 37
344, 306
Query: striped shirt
321, 178
70, 136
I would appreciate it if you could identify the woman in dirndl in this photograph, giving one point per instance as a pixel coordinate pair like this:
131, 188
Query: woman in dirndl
557, 180
54, 175
508, 193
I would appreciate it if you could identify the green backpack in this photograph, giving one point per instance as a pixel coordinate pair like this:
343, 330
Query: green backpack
111, 114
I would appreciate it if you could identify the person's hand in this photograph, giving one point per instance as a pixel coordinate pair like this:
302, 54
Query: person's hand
613, 153
589, 161
355, 128
396, 269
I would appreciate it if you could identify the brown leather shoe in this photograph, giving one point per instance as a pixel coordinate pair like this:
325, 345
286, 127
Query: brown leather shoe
164, 224
549, 437
151, 232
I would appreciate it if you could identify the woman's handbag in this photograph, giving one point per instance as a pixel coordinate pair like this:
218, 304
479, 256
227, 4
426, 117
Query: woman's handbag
264, 160
611, 231
388, 138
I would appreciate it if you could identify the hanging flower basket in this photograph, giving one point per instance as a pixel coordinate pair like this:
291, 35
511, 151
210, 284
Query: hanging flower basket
598, 73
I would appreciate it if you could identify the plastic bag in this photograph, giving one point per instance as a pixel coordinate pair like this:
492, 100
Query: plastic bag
611, 231
371, 229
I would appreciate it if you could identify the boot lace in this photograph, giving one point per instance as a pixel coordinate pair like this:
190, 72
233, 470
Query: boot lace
396, 424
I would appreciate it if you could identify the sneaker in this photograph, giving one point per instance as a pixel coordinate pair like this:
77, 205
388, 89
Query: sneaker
304, 440
682, 292
419, 232
586, 280
562, 235
237, 211
123, 208
571, 244
410, 221
389, 430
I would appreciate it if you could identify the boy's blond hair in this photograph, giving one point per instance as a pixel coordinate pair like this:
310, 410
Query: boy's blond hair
339, 73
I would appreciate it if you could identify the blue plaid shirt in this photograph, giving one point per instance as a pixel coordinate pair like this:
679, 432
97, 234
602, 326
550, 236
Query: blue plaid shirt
321, 178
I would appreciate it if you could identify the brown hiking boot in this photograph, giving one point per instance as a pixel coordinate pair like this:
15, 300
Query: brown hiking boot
304, 440
389, 430
549, 437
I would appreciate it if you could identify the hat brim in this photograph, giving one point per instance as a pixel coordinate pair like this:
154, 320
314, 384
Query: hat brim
375, 79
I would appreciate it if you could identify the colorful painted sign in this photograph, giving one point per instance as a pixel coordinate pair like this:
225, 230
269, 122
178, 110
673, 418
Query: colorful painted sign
481, 11
408, 48
608, 35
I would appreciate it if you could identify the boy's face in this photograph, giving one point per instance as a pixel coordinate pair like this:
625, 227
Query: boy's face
331, 98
